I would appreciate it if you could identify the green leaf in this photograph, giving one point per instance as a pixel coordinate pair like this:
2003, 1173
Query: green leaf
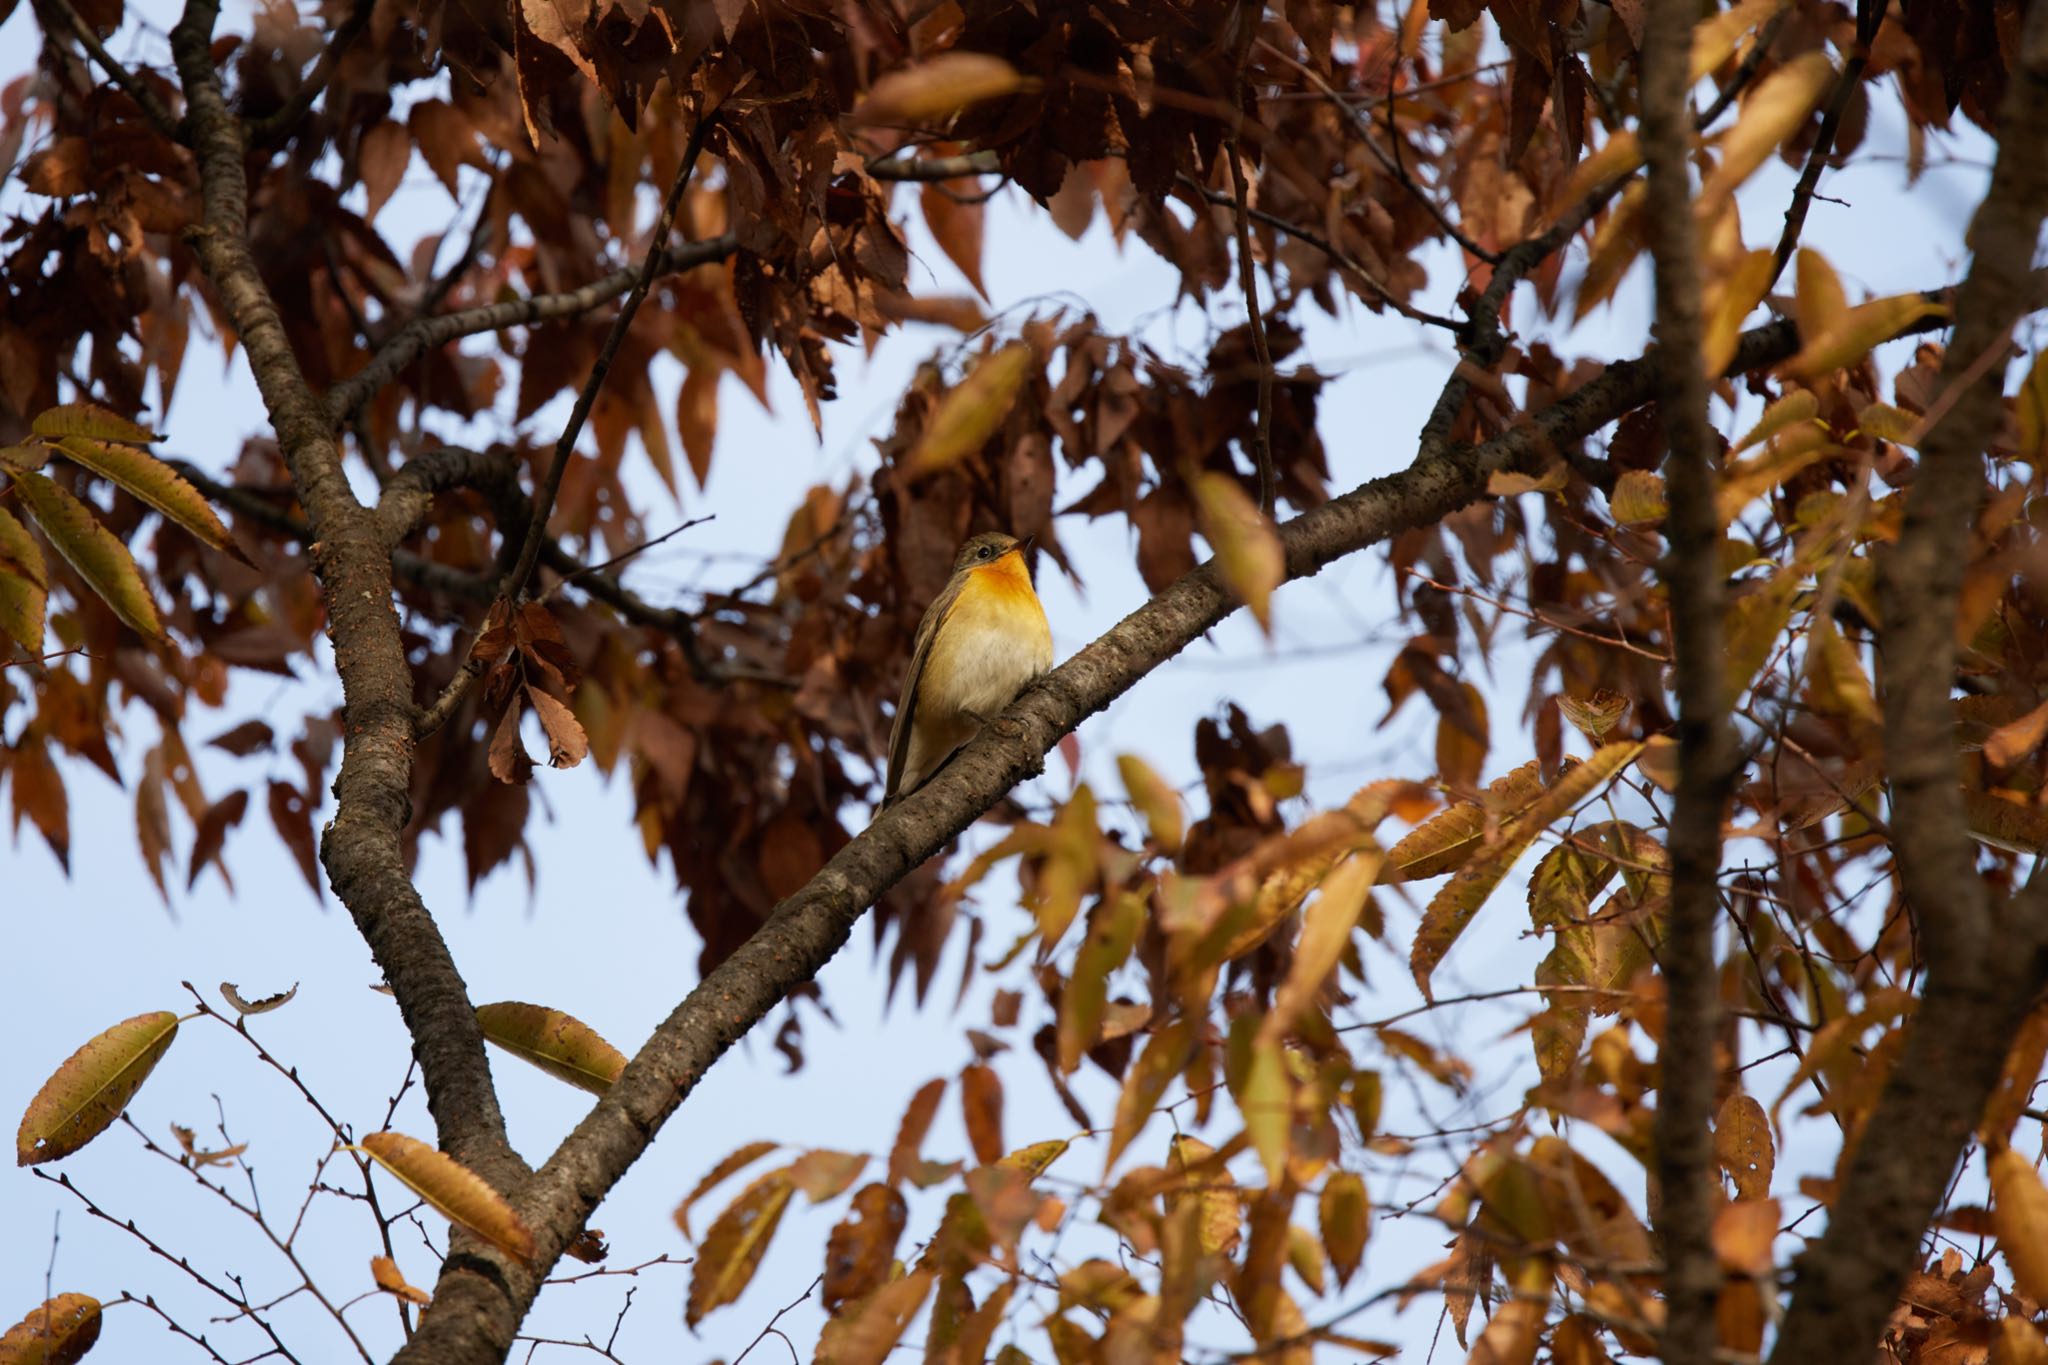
97, 553
155, 483
86, 1094
24, 584
90, 420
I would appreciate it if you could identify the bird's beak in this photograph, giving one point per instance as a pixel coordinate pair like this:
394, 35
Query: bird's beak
1025, 548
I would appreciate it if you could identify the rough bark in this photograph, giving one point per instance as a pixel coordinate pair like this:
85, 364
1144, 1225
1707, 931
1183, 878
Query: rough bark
1985, 961
1684, 1168
360, 848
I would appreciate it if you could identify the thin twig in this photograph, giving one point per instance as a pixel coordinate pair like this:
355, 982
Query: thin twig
565, 446
1248, 281
642, 548
138, 90
1869, 17
1745, 73
282, 123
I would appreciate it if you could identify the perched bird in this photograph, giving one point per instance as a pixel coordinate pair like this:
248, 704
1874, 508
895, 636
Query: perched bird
980, 642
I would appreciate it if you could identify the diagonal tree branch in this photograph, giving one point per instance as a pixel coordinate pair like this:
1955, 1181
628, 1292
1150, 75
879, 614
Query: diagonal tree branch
275, 127
1869, 17
1707, 756
421, 335
1985, 962
137, 89
361, 846
476, 1308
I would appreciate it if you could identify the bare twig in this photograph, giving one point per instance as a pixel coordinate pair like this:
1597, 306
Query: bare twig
1752, 61
1707, 753
642, 548
137, 89
1870, 15
934, 167
1248, 281
565, 445
284, 122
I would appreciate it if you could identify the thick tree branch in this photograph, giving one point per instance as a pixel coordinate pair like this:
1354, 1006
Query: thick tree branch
421, 335
476, 1311
411, 490
935, 167
361, 845
285, 121
1706, 745
1985, 962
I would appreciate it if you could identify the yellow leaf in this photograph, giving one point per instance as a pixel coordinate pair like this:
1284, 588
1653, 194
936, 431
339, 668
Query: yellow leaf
2016, 1341
1113, 928
2019, 1219
1155, 799
24, 585
459, 1194
735, 1243
1819, 304
1731, 297
1773, 112
565, 1047
1616, 244
1659, 762
1459, 899
1445, 841
92, 421
1860, 330
970, 412
392, 1280
2032, 405
734, 1161
1213, 1191
1744, 481
1617, 157
1744, 1234
1326, 928
1638, 498
97, 553
90, 1090
825, 1174
1506, 483
1715, 39
1034, 1159
156, 484
1838, 680
1265, 1097
1247, 550
944, 85
1752, 624
1345, 1216
58, 1331
1888, 423
1800, 405
867, 1334
1165, 1057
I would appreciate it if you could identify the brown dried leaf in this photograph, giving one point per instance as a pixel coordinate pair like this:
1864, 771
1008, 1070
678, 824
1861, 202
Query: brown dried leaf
262, 1006
981, 1107
735, 1243
567, 744
392, 1280
58, 1331
733, 1161
858, 1253
931, 90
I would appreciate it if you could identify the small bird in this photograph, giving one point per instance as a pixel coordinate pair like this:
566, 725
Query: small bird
980, 643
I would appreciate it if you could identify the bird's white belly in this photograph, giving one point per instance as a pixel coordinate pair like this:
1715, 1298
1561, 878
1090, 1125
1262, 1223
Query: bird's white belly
989, 664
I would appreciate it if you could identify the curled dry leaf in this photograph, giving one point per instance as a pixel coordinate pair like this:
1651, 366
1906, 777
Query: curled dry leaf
57, 1331
933, 90
1595, 715
459, 1194
93, 1086
262, 1006
717, 1175
735, 1244
970, 412
567, 744
561, 1045
391, 1280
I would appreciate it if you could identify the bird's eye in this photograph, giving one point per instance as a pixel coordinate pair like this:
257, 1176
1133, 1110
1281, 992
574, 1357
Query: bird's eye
988, 551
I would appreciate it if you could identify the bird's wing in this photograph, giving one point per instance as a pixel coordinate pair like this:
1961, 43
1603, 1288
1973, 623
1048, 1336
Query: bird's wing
906, 706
